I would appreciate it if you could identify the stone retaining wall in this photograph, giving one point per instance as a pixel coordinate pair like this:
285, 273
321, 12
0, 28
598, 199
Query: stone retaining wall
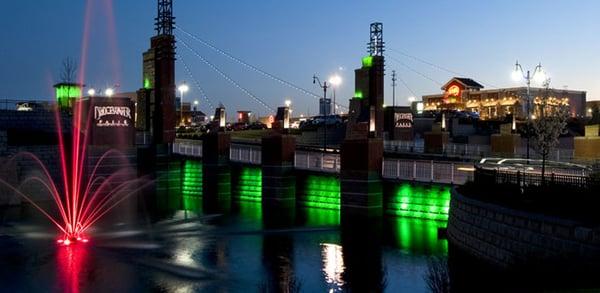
512, 238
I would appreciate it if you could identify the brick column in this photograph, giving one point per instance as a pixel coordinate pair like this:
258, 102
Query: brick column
361, 186
278, 179
216, 182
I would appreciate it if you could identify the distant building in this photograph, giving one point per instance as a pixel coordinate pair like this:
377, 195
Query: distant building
465, 94
244, 116
324, 107
591, 107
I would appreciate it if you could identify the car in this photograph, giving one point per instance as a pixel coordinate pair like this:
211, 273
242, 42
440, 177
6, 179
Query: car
257, 126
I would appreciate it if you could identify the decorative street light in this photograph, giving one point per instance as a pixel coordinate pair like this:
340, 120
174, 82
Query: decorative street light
335, 81
183, 88
538, 76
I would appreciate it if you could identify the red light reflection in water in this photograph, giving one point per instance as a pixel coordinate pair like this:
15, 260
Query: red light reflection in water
71, 262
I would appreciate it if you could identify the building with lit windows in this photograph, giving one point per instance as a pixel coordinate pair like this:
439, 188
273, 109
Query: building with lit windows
465, 94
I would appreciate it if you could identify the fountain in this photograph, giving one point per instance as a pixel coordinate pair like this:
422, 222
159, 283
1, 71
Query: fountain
81, 198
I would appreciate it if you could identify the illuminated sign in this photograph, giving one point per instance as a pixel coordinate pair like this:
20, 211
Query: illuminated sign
403, 120
453, 91
112, 116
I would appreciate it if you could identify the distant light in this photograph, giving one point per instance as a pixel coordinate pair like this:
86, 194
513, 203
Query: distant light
183, 88
335, 80
384, 105
91, 92
196, 102
288, 103
109, 92
411, 99
67, 242
589, 110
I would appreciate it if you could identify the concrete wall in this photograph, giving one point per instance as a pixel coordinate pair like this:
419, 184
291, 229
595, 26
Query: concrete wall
512, 238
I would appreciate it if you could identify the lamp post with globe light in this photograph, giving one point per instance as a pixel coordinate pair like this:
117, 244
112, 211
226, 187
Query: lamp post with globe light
183, 88
538, 76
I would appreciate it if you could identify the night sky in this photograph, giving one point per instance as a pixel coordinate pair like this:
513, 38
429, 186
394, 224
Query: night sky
296, 39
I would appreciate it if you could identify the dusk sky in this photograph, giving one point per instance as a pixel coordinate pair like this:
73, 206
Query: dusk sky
296, 39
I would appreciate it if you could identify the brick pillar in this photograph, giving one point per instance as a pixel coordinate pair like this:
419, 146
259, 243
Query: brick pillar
278, 179
361, 186
216, 182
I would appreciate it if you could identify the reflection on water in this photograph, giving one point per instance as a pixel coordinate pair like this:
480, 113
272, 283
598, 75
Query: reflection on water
71, 266
417, 235
333, 266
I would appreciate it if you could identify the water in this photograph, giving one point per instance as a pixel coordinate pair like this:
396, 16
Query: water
245, 250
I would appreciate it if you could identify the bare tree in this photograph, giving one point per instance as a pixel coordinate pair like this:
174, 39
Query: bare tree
549, 126
68, 70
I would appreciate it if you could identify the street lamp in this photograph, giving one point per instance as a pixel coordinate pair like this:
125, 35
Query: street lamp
183, 88
411, 99
288, 103
91, 92
335, 81
538, 76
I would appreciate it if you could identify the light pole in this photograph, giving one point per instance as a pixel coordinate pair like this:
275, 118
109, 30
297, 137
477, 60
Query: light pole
324, 86
335, 81
394, 88
183, 88
539, 76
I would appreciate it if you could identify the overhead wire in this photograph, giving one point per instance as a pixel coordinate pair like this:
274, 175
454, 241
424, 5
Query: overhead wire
458, 74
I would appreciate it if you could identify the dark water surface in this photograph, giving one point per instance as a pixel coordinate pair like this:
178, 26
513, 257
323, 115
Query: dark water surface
242, 250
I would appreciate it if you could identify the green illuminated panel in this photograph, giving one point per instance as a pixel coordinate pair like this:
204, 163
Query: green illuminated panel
147, 83
419, 202
64, 92
249, 187
418, 235
192, 185
322, 192
358, 95
367, 62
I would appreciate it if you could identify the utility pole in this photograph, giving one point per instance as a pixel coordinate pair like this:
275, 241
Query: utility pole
394, 88
324, 86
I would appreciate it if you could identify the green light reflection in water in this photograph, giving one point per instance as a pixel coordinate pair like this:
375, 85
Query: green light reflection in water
315, 217
418, 236
417, 201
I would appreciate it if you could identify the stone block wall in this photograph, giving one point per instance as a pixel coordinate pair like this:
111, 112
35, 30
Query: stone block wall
511, 238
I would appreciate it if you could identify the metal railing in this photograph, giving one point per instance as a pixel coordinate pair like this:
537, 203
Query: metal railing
192, 148
427, 171
317, 161
489, 176
245, 153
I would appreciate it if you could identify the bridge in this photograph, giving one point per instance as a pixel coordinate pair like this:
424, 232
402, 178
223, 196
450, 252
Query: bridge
418, 170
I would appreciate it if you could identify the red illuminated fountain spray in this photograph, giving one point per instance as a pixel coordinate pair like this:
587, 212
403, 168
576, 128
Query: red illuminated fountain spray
85, 197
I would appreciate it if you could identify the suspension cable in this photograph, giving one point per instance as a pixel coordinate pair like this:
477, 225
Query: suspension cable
226, 77
252, 67
196, 83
